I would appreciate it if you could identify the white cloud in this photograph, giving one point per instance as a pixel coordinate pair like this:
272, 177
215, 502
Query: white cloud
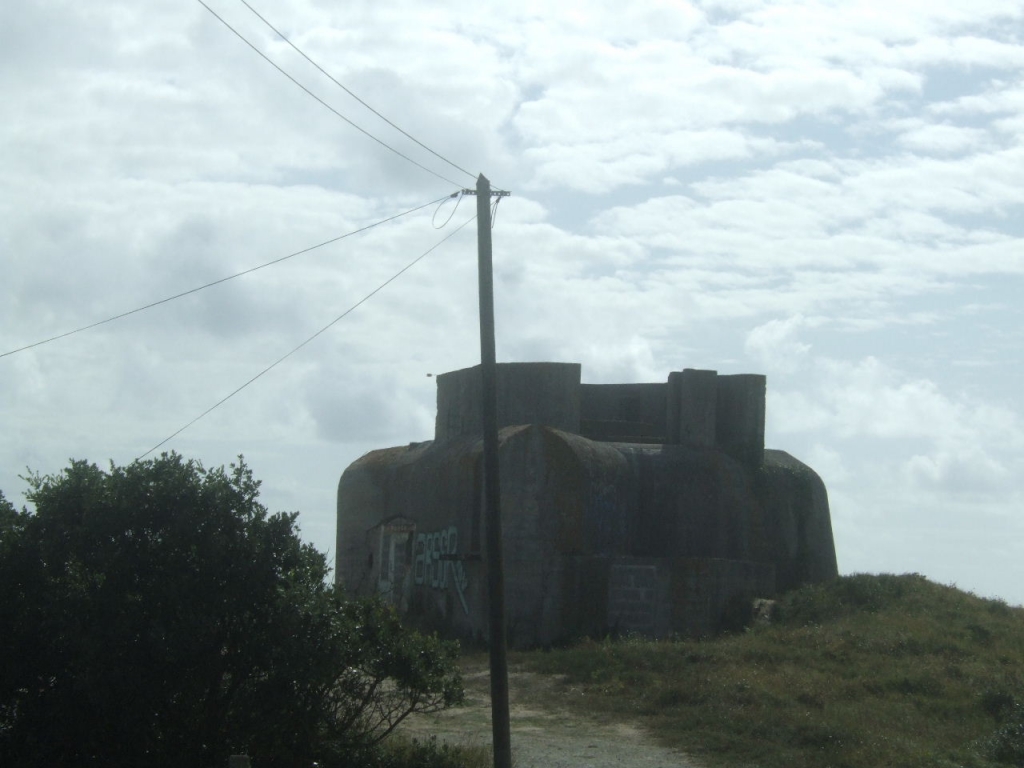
963, 446
829, 464
963, 51
942, 139
868, 398
828, 193
1000, 101
774, 346
636, 158
968, 469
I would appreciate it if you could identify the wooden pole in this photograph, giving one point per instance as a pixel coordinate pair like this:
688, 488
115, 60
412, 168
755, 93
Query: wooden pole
500, 728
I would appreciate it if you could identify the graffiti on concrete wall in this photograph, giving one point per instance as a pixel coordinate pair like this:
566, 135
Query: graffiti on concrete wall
436, 564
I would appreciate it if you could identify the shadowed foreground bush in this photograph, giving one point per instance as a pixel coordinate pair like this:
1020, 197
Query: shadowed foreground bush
156, 615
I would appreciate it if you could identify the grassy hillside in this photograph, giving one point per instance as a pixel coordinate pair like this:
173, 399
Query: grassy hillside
864, 672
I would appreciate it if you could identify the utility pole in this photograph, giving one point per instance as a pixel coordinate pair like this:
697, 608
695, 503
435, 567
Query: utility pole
500, 729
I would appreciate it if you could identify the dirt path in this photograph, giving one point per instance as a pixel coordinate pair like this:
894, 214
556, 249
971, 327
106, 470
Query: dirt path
546, 731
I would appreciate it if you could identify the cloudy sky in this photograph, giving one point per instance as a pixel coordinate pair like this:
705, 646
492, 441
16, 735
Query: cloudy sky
828, 193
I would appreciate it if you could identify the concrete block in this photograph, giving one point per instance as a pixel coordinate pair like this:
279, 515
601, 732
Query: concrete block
546, 394
623, 412
739, 420
634, 589
694, 404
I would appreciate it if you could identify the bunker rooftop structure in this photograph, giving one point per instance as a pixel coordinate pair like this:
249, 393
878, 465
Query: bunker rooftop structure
626, 508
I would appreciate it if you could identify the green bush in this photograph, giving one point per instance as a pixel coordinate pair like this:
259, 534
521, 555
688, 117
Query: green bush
1006, 746
157, 615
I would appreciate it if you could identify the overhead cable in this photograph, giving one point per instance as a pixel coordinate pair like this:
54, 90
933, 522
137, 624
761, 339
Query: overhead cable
224, 279
324, 103
433, 220
348, 311
494, 211
354, 96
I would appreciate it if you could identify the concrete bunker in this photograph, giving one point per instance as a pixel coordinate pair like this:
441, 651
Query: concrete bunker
646, 508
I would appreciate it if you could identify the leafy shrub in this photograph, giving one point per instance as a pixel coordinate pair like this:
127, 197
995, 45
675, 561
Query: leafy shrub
160, 616
1006, 746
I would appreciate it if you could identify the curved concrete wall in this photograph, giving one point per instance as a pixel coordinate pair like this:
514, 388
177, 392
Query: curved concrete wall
586, 525
797, 521
656, 533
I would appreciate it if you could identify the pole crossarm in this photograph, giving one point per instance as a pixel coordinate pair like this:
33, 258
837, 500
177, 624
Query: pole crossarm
494, 193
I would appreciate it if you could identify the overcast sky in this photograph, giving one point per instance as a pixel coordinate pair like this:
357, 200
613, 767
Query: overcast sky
831, 194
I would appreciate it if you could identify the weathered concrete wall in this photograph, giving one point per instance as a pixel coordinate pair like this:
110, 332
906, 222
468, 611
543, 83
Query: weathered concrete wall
528, 393
704, 590
433, 491
565, 496
692, 503
660, 596
739, 416
692, 407
797, 521
695, 407
639, 597
578, 515
561, 495
656, 536
623, 412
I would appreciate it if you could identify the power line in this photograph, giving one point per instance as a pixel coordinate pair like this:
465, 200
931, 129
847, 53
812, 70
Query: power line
280, 360
350, 93
224, 279
324, 103
458, 199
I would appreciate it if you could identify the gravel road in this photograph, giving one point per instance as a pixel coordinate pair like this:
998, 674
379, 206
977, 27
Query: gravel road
546, 731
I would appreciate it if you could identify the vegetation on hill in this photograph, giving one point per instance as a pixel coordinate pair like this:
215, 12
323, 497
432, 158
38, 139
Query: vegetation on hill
862, 672
157, 615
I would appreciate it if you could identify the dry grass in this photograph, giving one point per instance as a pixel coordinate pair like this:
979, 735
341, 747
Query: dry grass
408, 752
864, 672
